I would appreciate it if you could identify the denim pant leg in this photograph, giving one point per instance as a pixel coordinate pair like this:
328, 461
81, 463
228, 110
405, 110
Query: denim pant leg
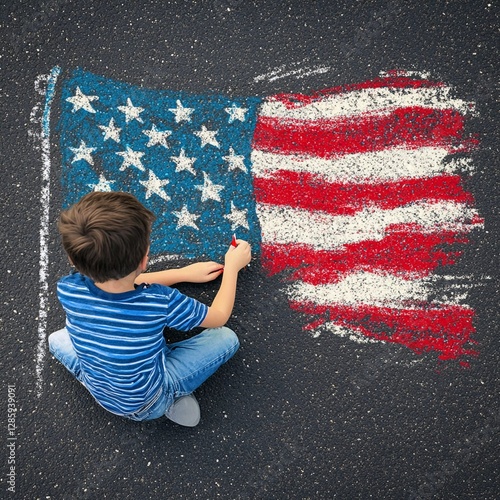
190, 362
61, 347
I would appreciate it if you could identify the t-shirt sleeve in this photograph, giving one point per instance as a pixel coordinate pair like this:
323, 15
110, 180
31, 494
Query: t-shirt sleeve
185, 313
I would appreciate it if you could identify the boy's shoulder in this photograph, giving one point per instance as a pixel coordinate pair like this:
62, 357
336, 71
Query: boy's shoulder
73, 277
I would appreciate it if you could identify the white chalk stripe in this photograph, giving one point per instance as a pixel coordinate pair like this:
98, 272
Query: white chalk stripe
387, 165
417, 74
285, 225
366, 101
342, 331
372, 289
44, 228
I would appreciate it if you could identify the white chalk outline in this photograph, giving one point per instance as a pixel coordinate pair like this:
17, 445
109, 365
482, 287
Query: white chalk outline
44, 228
282, 72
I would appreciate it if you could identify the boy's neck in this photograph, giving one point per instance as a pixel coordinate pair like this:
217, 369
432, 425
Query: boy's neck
125, 284
121, 285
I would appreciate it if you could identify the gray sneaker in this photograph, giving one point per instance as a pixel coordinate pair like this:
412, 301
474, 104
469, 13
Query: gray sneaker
184, 411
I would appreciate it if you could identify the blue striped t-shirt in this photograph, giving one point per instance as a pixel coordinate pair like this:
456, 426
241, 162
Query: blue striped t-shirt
118, 337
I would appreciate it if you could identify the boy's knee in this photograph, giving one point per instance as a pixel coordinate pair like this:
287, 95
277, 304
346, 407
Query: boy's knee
229, 337
58, 340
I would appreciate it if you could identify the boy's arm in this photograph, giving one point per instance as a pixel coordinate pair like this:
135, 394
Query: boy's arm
200, 272
222, 305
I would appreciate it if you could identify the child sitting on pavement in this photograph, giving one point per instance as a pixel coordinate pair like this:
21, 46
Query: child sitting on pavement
113, 342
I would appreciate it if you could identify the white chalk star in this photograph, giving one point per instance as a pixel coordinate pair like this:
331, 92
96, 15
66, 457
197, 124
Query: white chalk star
82, 152
186, 219
111, 131
131, 112
209, 190
183, 162
207, 137
82, 101
157, 137
237, 217
154, 186
236, 113
131, 157
181, 113
235, 161
103, 184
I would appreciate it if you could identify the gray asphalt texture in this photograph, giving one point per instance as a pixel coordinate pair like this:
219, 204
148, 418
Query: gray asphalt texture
289, 416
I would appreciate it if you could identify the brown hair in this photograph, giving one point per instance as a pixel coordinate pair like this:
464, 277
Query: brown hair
106, 234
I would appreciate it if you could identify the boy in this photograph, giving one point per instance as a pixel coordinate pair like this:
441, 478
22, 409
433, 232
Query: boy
113, 341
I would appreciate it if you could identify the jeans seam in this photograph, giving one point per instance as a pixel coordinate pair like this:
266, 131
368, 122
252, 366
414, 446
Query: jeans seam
146, 409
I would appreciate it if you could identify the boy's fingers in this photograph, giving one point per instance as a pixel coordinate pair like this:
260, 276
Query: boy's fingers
215, 273
215, 268
243, 243
214, 264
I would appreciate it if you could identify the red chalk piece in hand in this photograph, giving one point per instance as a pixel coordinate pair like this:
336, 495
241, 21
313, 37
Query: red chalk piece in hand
233, 244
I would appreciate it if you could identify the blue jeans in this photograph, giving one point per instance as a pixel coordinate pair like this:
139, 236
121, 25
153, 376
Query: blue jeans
187, 364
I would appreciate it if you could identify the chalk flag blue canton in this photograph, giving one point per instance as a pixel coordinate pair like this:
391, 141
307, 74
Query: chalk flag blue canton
184, 156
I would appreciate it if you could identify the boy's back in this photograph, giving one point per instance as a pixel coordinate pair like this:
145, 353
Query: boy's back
119, 337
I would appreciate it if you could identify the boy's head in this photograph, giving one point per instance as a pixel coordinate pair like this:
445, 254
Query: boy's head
106, 235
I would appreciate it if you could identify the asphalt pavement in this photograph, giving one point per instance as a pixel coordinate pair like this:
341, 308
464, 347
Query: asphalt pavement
292, 415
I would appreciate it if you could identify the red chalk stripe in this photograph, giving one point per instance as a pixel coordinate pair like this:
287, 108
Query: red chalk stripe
311, 192
412, 127
404, 252
446, 330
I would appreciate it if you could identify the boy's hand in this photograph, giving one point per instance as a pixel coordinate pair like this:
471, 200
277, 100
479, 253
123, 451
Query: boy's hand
202, 272
237, 257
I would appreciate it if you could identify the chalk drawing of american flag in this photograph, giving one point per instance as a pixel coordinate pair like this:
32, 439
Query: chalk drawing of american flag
353, 193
